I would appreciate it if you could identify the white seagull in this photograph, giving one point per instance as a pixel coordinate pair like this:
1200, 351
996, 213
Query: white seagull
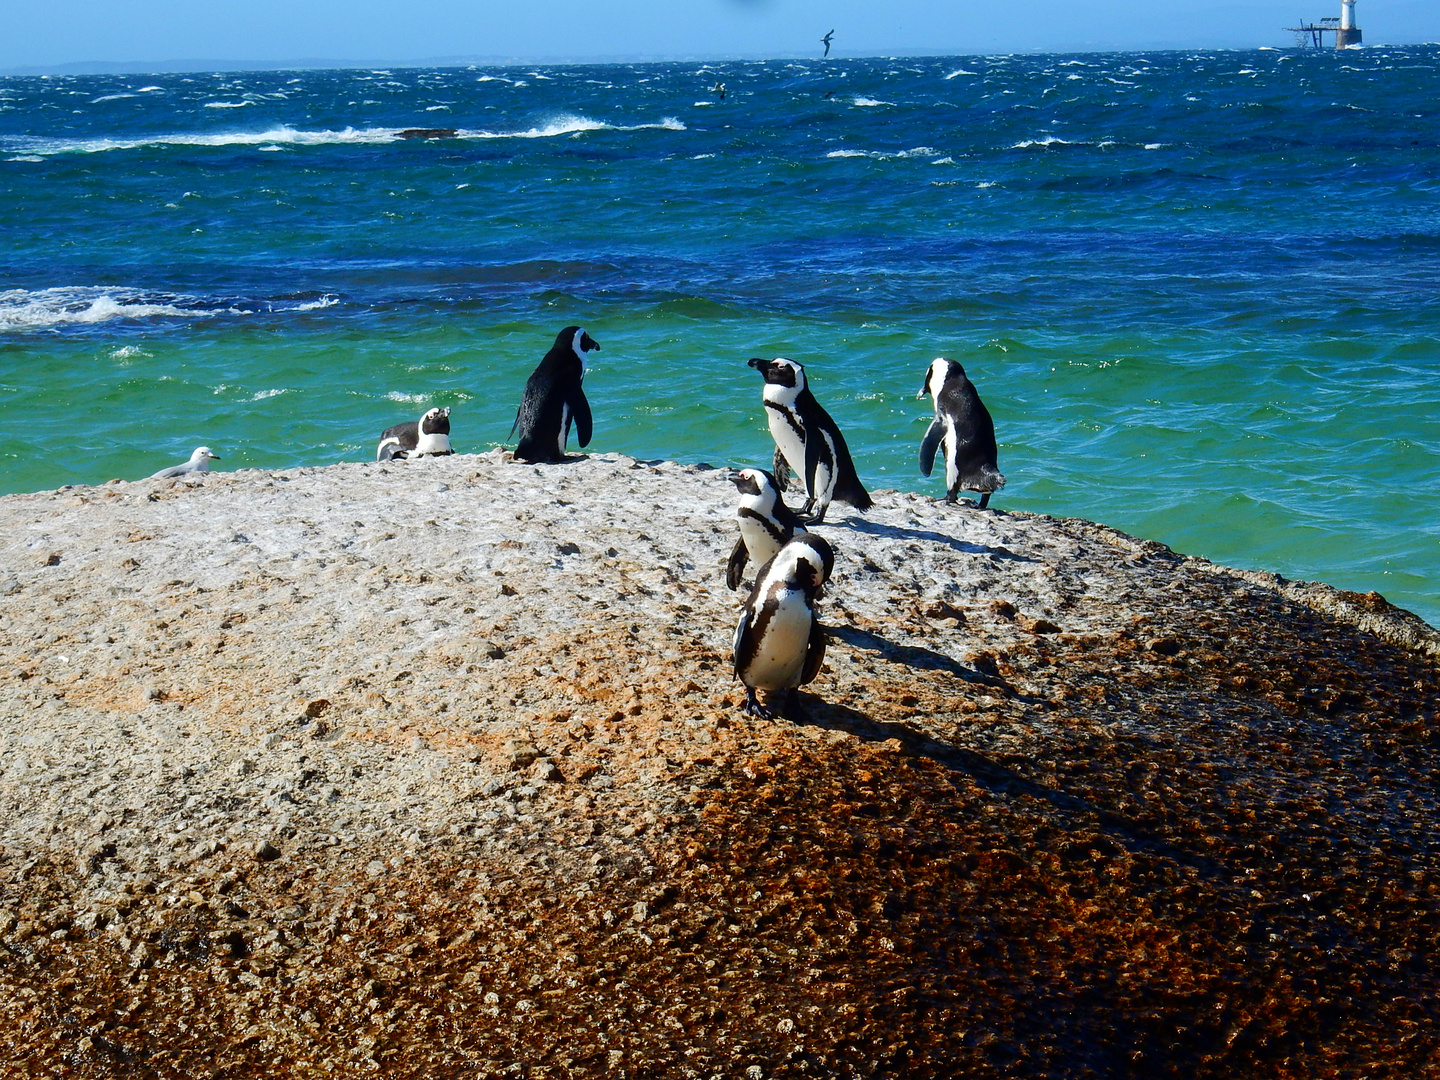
199, 462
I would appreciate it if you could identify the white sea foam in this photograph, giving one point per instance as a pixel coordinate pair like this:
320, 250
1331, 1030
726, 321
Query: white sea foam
25, 309
25, 157
128, 352
1045, 143
264, 395
226, 104
958, 73
396, 395
110, 97
317, 305
437, 108
868, 102
149, 89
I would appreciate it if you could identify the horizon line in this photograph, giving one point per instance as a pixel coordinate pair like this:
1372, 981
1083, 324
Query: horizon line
193, 66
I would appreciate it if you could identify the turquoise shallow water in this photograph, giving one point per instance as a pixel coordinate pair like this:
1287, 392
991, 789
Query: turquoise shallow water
1198, 291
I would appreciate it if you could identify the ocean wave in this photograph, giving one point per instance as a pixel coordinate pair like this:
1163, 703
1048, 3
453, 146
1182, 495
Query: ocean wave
226, 104
957, 73
272, 138
317, 305
868, 102
24, 309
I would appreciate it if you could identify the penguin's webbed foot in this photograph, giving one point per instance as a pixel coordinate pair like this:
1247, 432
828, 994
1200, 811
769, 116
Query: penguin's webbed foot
984, 501
951, 498
753, 706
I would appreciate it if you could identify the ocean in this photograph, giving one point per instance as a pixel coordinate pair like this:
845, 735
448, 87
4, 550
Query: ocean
1197, 291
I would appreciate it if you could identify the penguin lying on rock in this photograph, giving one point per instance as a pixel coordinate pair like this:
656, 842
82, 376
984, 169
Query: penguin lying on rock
809, 440
553, 398
766, 523
962, 425
427, 437
779, 643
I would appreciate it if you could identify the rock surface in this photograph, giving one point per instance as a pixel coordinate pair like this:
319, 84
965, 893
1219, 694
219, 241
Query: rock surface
436, 768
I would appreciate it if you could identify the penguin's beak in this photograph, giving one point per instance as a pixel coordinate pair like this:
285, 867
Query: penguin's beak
589, 344
735, 477
757, 363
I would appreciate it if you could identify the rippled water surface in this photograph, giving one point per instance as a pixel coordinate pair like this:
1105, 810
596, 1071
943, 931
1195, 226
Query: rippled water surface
1197, 291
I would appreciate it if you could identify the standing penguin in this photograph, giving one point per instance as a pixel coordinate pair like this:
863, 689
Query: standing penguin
553, 398
962, 425
808, 440
427, 437
779, 643
766, 523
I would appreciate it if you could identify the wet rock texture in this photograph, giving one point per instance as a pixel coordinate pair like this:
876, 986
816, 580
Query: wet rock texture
436, 768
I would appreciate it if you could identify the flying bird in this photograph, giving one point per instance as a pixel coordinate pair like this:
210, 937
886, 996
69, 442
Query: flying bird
826, 42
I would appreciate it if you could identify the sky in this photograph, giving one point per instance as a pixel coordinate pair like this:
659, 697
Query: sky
57, 33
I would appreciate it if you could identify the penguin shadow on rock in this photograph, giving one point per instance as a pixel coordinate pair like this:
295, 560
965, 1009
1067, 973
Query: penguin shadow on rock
1072, 810
901, 532
554, 399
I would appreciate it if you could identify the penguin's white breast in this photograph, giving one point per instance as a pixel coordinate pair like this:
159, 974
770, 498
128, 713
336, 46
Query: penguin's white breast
780, 655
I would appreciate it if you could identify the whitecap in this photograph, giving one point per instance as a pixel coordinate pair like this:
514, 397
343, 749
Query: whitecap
149, 89
866, 102
317, 305
396, 395
1155, 146
1045, 143
25, 157
226, 104
110, 97
24, 309
127, 352
270, 148
437, 108
958, 72
846, 153
264, 395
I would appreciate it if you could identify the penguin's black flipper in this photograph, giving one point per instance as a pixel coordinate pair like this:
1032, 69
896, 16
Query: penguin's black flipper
580, 412
814, 654
735, 568
929, 445
781, 468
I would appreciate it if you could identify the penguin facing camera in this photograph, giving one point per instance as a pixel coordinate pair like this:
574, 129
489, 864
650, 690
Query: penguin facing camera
779, 643
808, 440
963, 428
554, 399
427, 437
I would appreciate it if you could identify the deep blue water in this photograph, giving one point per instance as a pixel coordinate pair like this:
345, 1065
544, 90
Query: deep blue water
1197, 290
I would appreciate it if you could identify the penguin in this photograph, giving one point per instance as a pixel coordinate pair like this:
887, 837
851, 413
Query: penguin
766, 523
808, 440
962, 425
199, 463
427, 437
779, 643
553, 398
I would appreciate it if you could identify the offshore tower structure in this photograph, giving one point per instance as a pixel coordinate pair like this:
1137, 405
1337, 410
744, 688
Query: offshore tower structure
1344, 28
1347, 33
